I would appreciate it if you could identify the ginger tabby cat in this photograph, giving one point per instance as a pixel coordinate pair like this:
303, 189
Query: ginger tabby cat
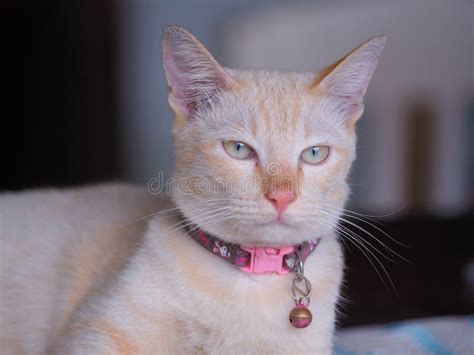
262, 159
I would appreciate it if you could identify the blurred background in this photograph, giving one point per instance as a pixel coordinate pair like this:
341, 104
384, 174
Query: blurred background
86, 102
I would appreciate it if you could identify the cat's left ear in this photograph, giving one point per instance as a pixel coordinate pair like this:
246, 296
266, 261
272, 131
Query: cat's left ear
345, 82
194, 76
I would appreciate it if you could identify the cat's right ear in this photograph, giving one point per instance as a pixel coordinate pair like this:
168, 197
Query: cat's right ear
194, 76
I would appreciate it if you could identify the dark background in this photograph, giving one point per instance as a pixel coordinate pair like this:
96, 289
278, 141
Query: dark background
60, 128
59, 124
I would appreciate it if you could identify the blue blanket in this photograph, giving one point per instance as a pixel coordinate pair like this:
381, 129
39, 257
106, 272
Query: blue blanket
439, 336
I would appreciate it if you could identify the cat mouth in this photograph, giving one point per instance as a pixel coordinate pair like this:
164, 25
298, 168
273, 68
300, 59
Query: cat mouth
276, 222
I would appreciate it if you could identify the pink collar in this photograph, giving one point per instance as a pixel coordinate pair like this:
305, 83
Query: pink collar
257, 260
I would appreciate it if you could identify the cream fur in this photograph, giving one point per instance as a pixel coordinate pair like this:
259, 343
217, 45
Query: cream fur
79, 277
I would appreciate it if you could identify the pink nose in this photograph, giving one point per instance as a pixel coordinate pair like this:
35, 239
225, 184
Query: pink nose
280, 198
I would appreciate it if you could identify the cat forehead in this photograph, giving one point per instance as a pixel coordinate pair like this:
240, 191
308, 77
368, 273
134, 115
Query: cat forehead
280, 99
269, 104
268, 81
271, 92
274, 93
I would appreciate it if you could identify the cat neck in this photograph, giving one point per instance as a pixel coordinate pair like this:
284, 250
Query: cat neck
253, 259
178, 259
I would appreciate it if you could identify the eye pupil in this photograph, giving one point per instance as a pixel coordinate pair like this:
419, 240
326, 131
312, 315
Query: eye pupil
315, 151
238, 146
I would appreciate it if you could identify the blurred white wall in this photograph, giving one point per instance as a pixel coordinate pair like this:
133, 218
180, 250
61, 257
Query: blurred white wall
145, 117
429, 54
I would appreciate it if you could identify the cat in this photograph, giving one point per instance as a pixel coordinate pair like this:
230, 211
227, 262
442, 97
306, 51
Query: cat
262, 159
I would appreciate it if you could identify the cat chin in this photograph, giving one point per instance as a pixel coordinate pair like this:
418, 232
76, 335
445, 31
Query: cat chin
268, 235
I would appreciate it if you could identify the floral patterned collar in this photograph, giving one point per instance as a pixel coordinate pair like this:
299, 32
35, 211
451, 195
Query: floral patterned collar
257, 260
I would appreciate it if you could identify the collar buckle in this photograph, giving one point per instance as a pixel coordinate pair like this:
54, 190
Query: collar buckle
267, 260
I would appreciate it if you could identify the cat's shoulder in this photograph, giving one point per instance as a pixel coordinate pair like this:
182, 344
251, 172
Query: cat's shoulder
61, 193
91, 195
91, 206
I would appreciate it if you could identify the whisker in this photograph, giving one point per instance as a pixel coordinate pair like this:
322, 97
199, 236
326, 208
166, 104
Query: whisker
375, 238
175, 210
187, 222
211, 220
355, 242
377, 216
369, 234
367, 243
374, 226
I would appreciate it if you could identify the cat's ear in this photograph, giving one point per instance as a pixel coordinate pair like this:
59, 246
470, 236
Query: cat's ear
194, 76
345, 82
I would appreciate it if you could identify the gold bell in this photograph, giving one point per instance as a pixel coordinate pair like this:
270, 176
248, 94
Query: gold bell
300, 316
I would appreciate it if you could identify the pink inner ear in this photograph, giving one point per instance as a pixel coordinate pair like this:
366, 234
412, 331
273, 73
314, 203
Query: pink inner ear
176, 82
345, 86
193, 75
349, 81
346, 106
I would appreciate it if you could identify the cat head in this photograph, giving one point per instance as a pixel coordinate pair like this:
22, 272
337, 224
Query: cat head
262, 157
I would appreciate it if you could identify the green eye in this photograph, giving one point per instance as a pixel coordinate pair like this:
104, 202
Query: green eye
316, 154
238, 150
